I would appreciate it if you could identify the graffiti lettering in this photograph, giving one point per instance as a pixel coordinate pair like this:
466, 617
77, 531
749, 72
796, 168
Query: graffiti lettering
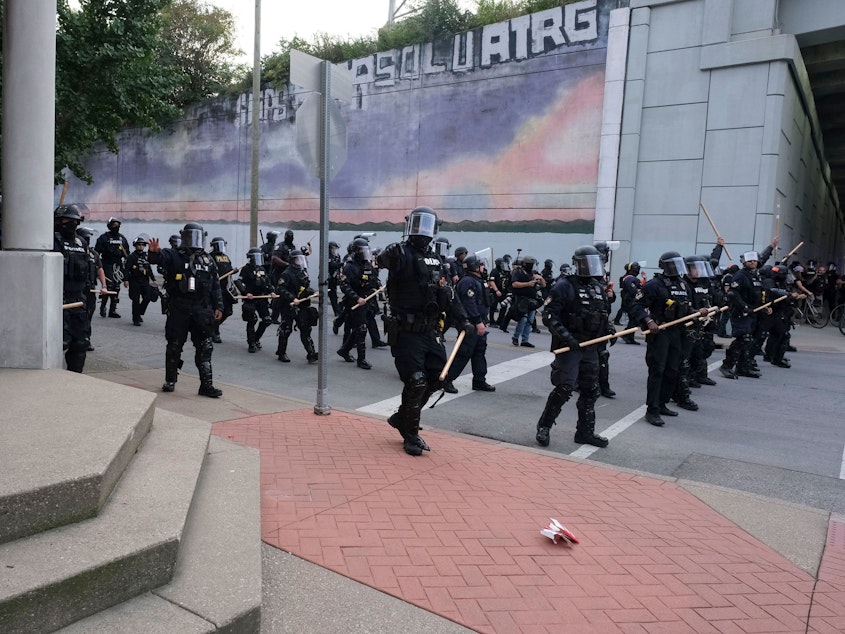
542, 33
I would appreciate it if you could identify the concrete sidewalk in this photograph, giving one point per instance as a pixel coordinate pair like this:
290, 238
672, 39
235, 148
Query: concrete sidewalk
363, 538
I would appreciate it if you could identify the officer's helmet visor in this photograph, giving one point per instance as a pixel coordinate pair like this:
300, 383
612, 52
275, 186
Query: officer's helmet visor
422, 224
750, 256
257, 258
192, 238
698, 269
219, 246
674, 266
364, 253
300, 261
442, 248
591, 265
505, 266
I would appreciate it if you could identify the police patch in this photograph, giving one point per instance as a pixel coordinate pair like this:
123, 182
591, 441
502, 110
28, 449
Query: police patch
639, 295
470, 293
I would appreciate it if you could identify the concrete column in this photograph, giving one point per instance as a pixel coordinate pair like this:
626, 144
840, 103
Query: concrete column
30, 276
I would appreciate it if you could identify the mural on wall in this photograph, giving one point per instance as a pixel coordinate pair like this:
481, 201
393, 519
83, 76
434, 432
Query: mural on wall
497, 129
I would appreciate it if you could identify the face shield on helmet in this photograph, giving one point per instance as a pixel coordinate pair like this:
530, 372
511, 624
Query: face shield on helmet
588, 265
672, 264
698, 267
441, 247
422, 222
333, 248
175, 241
749, 256
255, 257
218, 245
192, 236
299, 261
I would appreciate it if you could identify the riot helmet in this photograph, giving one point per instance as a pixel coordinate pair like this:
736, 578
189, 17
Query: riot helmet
333, 248
506, 264
749, 256
766, 271
143, 239
632, 268
714, 263
778, 273
289, 236
471, 264
175, 241
528, 264
70, 212
113, 224
588, 262
604, 247
298, 259
192, 236
672, 264
442, 246
218, 245
361, 249
549, 264
698, 267
87, 233
255, 256
422, 227
460, 251
565, 269
272, 236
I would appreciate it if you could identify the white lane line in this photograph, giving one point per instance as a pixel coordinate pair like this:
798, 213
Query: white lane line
496, 374
842, 468
585, 451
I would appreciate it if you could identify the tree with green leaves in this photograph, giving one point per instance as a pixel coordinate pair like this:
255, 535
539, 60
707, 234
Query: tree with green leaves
199, 43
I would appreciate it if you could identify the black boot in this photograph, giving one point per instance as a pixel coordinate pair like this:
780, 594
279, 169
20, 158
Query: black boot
206, 386
343, 353
113, 307
281, 350
172, 363
310, 352
554, 403
585, 427
103, 305
362, 357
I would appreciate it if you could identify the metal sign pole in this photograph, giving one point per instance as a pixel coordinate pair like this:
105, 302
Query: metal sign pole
321, 407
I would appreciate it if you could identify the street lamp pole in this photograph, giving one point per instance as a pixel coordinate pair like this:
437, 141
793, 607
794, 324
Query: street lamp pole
256, 120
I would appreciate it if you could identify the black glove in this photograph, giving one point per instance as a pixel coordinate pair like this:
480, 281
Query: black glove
612, 331
571, 342
467, 327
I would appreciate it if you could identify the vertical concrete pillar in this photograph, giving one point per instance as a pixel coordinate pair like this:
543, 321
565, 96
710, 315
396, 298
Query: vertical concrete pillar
30, 275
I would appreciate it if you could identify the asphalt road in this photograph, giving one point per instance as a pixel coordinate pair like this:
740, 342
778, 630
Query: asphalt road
780, 436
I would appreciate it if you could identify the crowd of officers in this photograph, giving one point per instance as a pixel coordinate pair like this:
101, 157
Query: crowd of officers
428, 291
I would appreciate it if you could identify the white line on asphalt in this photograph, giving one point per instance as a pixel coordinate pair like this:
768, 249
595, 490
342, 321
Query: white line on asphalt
496, 374
585, 451
842, 468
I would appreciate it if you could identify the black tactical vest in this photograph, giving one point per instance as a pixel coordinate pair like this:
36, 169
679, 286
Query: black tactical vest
589, 312
678, 304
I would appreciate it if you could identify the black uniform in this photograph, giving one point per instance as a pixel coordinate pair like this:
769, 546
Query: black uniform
76, 324
474, 296
295, 284
113, 248
194, 290
576, 310
780, 320
629, 286
663, 298
702, 333
745, 294
335, 265
358, 281
224, 264
140, 274
255, 280
418, 296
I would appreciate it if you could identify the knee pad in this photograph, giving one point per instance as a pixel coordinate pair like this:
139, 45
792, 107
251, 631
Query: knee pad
267, 320
561, 393
204, 349
415, 388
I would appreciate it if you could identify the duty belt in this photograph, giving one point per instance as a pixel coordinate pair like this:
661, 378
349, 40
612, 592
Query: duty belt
410, 322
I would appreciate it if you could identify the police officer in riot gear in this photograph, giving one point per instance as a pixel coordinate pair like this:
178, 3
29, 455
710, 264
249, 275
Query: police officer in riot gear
700, 278
780, 320
417, 298
744, 295
76, 326
113, 248
629, 286
95, 272
662, 299
255, 285
576, 310
195, 302
294, 291
474, 296
335, 265
227, 284
139, 273
359, 280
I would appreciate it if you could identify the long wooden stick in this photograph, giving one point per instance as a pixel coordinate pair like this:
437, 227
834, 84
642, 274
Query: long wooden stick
715, 230
102, 291
62, 197
255, 297
774, 301
296, 302
800, 244
73, 305
232, 272
628, 331
452, 355
369, 297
